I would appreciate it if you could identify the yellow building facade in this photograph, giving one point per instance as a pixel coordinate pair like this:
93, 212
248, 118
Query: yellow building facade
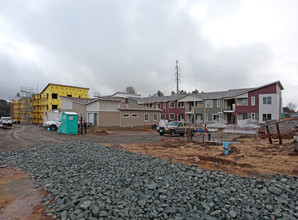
48, 99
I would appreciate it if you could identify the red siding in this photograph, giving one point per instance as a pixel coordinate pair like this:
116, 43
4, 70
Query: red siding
271, 89
174, 110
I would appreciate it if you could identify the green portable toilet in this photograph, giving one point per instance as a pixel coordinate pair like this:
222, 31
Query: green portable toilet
69, 123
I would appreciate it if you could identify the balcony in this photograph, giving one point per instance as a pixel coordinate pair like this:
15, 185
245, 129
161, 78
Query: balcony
229, 109
189, 109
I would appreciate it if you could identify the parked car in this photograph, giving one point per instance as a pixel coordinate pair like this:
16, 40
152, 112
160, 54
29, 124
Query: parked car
53, 125
6, 121
175, 127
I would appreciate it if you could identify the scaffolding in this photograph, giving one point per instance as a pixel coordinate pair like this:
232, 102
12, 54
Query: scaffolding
25, 99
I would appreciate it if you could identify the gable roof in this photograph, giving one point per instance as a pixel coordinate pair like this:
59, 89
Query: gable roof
78, 100
158, 99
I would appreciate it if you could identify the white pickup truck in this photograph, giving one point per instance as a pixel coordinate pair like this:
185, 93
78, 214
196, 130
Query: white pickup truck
53, 125
6, 121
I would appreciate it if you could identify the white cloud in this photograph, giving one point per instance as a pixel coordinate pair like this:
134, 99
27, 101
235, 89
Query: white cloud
108, 45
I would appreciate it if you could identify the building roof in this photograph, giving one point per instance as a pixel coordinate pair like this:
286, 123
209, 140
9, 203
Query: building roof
79, 100
158, 99
124, 106
53, 84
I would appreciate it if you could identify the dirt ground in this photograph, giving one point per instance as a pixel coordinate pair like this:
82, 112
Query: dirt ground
249, 156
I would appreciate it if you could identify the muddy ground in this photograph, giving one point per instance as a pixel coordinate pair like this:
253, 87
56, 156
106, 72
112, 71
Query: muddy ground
249, 156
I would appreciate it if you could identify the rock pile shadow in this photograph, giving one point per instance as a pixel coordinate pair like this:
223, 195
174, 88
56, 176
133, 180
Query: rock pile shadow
86, 181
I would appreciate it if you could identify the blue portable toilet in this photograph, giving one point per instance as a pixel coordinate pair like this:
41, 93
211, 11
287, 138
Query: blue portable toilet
69, 123
225, 148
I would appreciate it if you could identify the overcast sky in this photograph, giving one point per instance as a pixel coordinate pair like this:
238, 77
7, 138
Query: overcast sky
109, 45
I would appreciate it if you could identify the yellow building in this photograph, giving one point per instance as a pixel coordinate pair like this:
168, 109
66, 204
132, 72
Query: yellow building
16, 106
48, 99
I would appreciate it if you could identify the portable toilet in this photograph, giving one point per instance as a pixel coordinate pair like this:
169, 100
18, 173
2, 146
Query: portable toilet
69, 123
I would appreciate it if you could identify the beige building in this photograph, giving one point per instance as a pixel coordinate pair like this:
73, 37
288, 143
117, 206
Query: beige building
110, 112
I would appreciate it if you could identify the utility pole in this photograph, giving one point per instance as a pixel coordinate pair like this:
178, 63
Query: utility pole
177, 76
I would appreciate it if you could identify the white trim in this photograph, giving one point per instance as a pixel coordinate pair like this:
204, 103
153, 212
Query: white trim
206, 117
253, 101
155, 119
134, 115
170, 104
125, 115
217, 115
218, 103
211, 103
146, 114
182, 103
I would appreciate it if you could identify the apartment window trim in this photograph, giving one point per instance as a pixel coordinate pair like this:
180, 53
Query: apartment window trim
158, 105
125, 115
207, 102
217, 118
172, 106
134, 115
172, 118
146, 117
164, 105
181, 105
218, 103
155, 117
245, 116
253, 101
267, 100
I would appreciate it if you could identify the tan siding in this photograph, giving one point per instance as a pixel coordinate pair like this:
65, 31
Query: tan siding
140, 120
108, 119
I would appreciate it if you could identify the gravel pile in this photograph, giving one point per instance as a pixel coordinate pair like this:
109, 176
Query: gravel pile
86, 181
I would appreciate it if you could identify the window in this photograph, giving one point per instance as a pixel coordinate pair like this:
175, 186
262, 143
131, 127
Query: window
69, 95
206, 117
180, 104
163, 116
54, 106
266, 117
172, 104
244, 101
146, 117
218, 104
155, 116
253, 116
157, 105
81, 115
164, 105
172, 116
253, 101
267, 100
181, 117
209, 104
215, 117
54, 96
125, 115
244, 116
134, 115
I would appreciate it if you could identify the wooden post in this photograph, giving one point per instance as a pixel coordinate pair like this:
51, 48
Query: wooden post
221, 134
268, 134
278, 133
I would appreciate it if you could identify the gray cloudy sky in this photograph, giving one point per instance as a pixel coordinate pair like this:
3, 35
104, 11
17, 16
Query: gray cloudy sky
108, 45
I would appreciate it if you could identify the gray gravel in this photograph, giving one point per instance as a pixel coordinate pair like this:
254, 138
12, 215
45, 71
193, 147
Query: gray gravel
86, 181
